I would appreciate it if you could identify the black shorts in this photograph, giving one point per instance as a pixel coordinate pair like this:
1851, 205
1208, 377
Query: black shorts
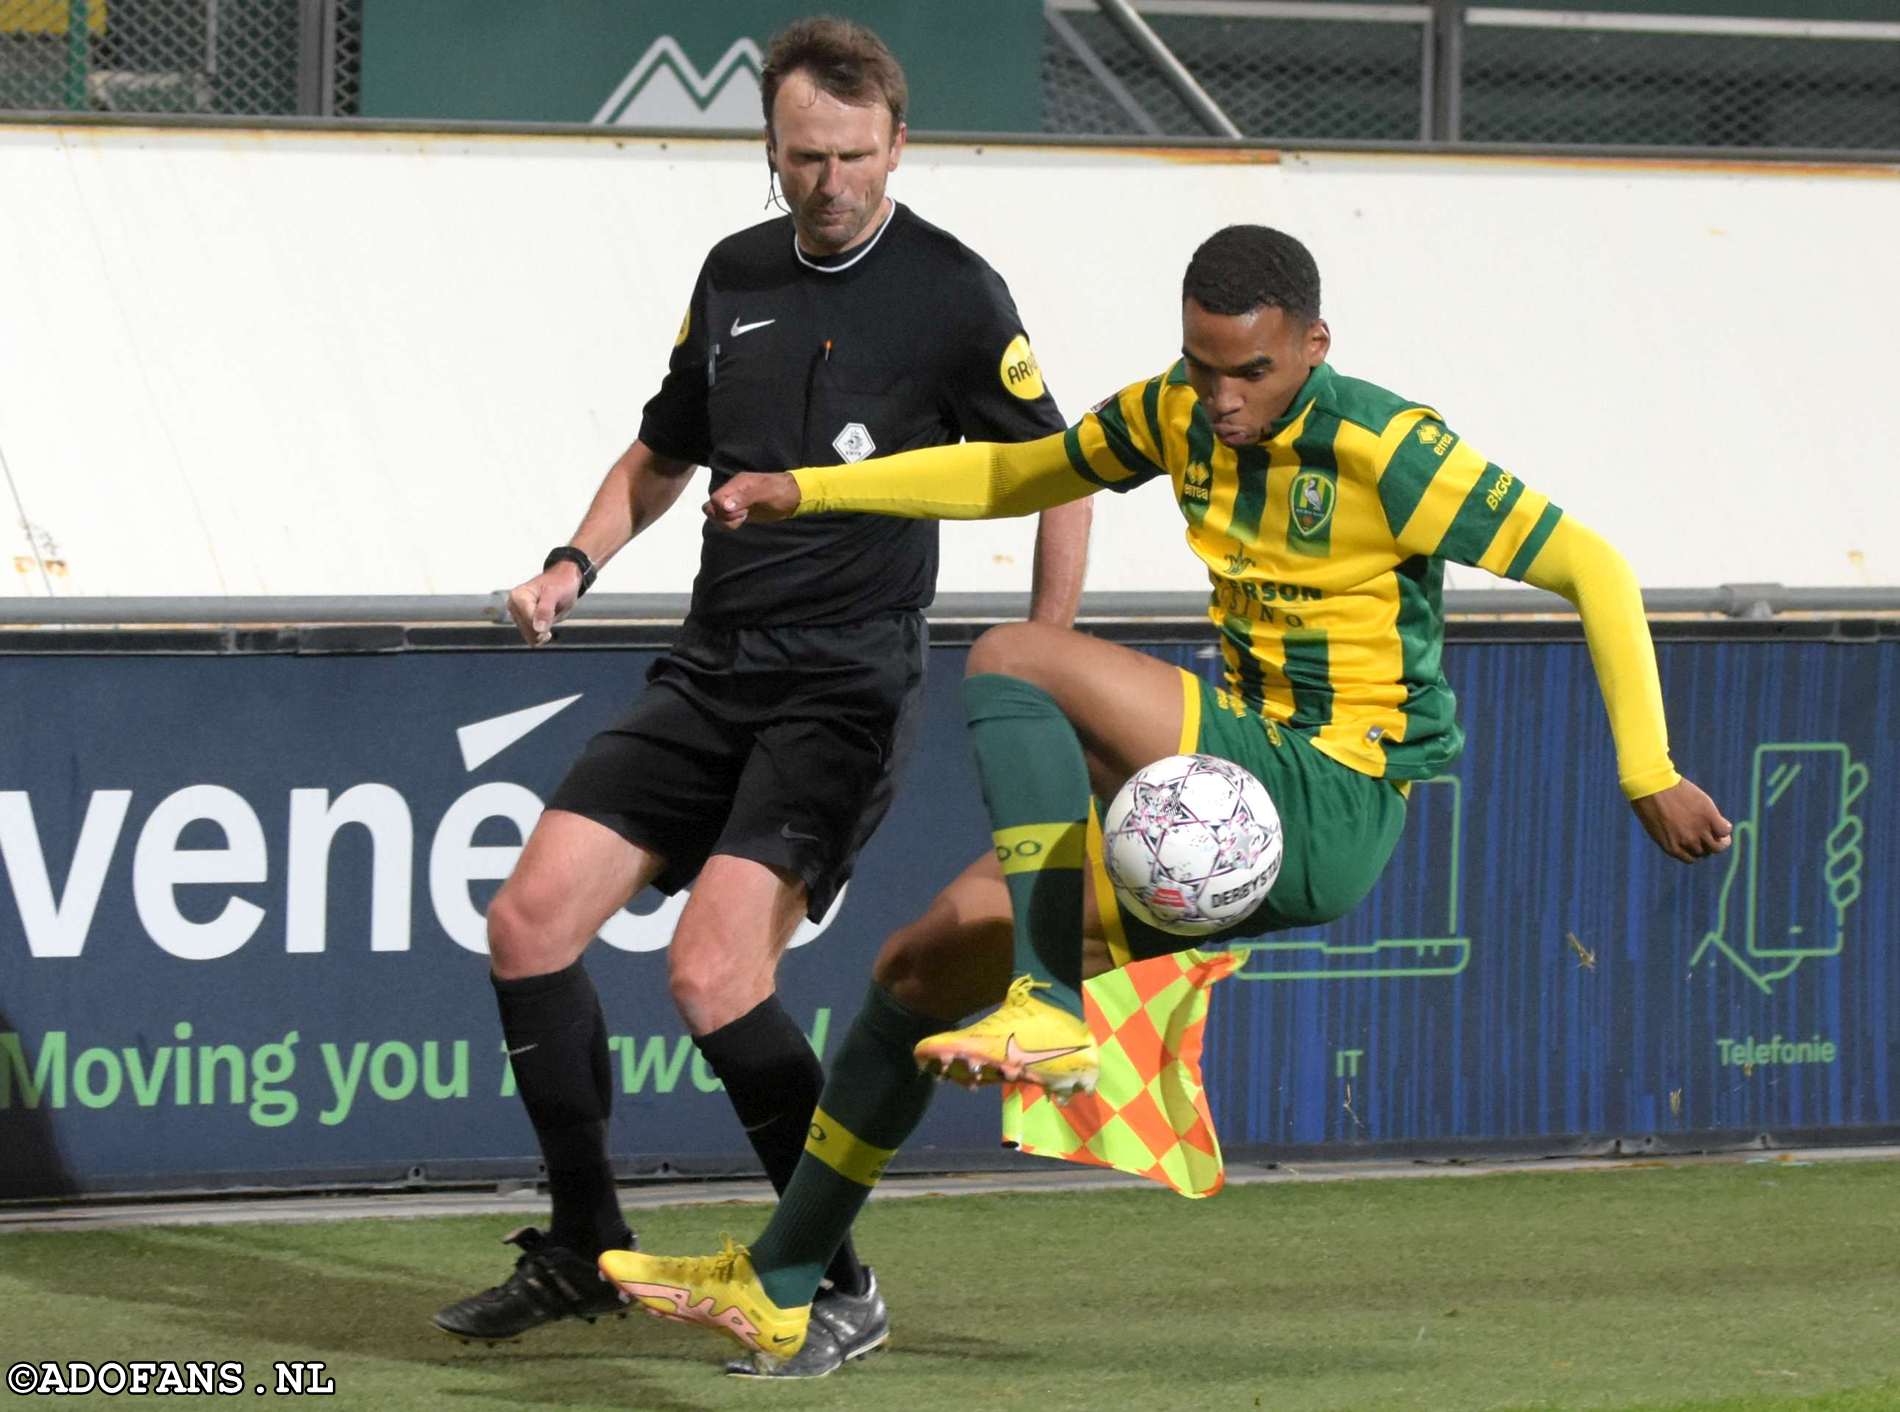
781, 745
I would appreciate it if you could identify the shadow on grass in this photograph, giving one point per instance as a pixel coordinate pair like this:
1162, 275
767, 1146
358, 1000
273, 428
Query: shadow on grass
362, 1295
1248, 1356
923, 1342
258, 1288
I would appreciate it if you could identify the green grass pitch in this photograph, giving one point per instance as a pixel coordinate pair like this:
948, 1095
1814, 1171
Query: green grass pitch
1694, 1287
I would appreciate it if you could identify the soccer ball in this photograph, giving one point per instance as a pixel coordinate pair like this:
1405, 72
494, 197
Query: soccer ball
1192, 844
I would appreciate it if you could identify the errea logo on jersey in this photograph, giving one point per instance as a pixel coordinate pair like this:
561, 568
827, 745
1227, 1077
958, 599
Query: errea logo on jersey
1019, 371
1436, 437
1194, 481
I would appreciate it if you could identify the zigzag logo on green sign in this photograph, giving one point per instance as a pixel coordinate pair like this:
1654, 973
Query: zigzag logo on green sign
665, 88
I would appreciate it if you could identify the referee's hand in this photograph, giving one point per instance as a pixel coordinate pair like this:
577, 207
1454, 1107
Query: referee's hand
751, 495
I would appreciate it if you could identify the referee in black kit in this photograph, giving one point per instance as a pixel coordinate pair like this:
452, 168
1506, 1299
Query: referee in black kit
765, 747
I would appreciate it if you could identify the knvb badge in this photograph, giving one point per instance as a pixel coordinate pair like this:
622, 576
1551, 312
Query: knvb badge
853, 443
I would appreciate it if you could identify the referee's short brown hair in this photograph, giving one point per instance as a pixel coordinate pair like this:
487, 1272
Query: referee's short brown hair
842, 58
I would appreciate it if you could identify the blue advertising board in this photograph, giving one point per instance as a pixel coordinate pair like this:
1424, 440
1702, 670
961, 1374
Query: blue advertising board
241, 937
1532, 972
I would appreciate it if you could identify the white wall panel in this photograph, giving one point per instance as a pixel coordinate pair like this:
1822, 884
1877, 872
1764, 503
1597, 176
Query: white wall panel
285, 363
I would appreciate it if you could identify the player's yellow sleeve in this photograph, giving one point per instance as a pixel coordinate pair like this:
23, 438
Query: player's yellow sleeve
972, 480
1584, 568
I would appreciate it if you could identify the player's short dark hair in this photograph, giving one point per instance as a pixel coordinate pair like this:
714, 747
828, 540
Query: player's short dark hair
843, 59
1243, 268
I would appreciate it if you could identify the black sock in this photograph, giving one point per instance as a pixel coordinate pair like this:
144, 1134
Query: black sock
557, 1043
773, 1079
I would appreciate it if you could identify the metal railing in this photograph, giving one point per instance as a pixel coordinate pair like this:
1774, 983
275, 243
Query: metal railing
1448, 73
1762, 600
1279, 68
1309, 71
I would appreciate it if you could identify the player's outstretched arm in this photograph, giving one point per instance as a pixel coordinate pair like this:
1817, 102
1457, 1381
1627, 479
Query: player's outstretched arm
639, 487
971, 480
1580, 565
761, 496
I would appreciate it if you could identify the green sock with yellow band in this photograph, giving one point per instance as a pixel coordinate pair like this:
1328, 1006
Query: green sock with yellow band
874, 1098
1036, 787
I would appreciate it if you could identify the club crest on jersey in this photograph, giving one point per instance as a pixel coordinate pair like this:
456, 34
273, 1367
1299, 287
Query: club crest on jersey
853, 443
1310, 502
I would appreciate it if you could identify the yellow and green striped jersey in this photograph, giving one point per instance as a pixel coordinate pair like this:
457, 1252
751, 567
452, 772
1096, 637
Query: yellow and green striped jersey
1326, 545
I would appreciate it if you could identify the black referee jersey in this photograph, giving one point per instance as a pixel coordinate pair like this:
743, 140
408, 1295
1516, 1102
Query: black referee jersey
787, 359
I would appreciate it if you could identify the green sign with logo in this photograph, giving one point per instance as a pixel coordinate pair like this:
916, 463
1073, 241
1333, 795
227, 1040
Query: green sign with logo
973, 66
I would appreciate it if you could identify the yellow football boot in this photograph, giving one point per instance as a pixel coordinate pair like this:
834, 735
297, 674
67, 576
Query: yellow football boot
1025, 1041
720, 1292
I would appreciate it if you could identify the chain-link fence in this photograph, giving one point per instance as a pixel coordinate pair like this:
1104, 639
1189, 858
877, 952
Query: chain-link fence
1311, 71
1283, 70
1629, 80
181, 56
1389, 72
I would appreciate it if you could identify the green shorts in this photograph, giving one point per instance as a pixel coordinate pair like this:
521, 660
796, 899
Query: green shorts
1339, 826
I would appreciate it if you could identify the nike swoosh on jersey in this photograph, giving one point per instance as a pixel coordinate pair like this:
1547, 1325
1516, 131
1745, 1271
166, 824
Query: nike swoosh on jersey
1014, 1053
739, 328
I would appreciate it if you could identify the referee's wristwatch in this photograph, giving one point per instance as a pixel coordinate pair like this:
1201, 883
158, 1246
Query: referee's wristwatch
570, 554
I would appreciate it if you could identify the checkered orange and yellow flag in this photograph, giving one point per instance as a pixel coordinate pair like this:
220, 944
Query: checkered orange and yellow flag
1148, 1115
